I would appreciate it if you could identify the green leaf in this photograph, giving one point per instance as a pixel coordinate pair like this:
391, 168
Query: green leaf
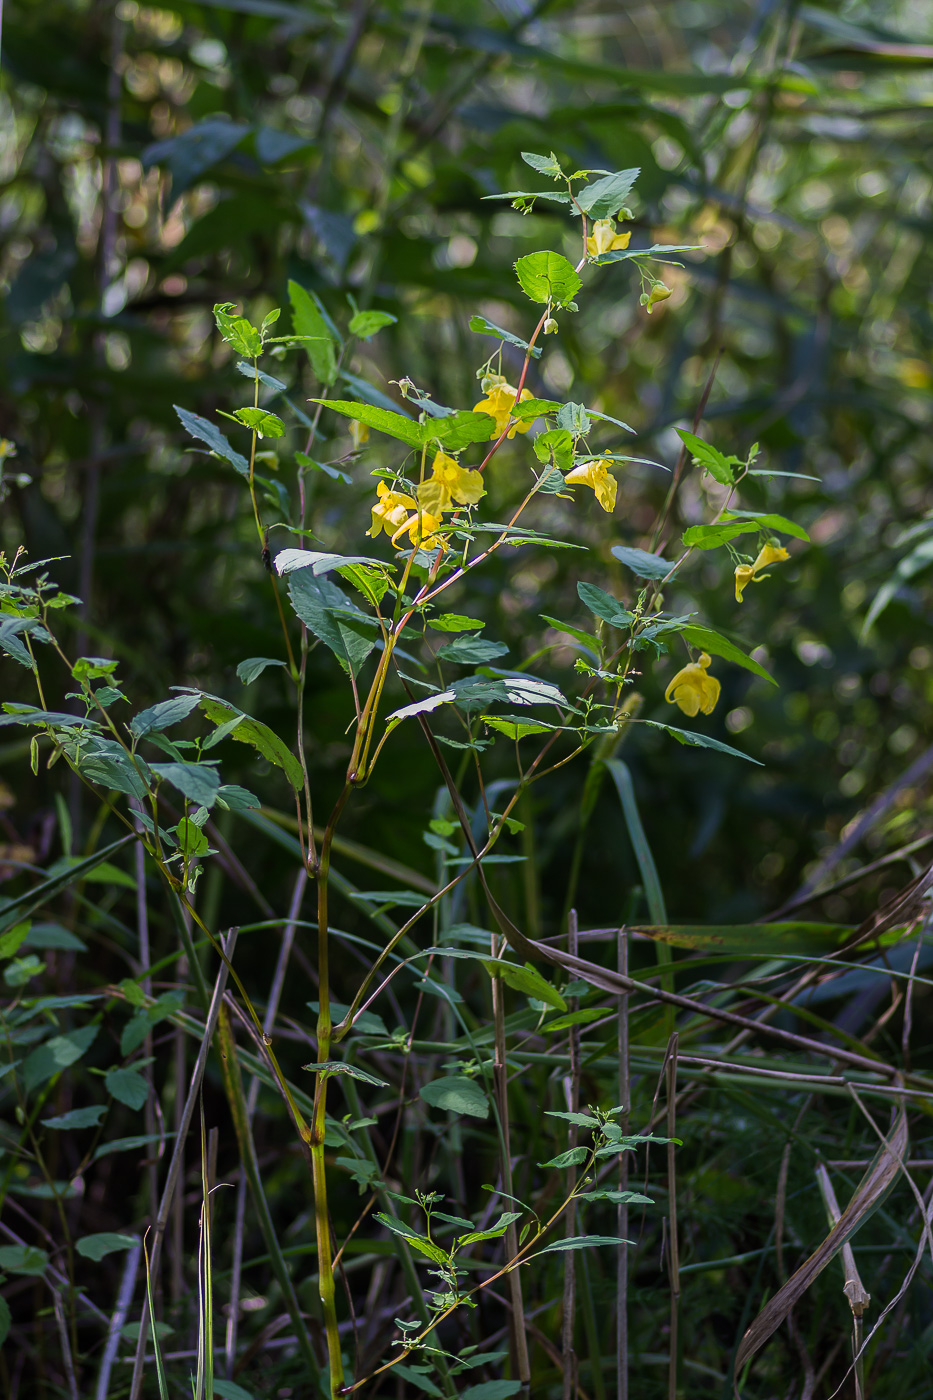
454, 622
641, 563
237, 799
253, 372
547, 277
23, 1259
575, 419
329, 1067
495, 1232
416, 1241
259, 421
556, 446
708, 640
309, 323
769, 521
491, 1390
96, 1247
57, 1054
545, 165
129, 1144
471, 651
580, 1242
792, 939
160, 717
258, 735
288, 560
604, 605
52, 936
516, 728
395, 424
367, 323
204, 431
77, 1118
618, 1198
695, 740
459, 429
11, 941
127, 1087
343, 627
534, 408
484, 327
573, 1157
238, 331
718, 466
711, 536
604, 198
196, 781
583, 1017
585, 638
457, 1094
415, 1378
579, 1120
248, 670
526, 979
229, 1390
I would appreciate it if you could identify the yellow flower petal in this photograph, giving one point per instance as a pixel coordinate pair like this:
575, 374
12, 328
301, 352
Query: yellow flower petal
598, 476
693, 689
389, 511
499, 403
749, 573
604, 239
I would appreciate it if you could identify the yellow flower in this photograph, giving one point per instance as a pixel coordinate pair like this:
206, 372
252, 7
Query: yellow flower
359, 433
447, 483
420, 529
499, 403
390, 510
604, 238
659, 292
749, 573
597, 475
692, 689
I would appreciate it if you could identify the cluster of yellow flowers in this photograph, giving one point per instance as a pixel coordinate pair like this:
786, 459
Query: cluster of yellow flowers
499, 402
449, 485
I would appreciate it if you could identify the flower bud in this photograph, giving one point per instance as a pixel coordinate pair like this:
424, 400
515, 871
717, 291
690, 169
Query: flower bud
550, 326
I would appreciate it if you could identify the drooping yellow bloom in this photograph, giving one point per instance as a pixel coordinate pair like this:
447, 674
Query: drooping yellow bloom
420, 529
449, 483
359, 433
659, 292
597, 475
751, 573
390, 511
499, 403
604, 238
693, 689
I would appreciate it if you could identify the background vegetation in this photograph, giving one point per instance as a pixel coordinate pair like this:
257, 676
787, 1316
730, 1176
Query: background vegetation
157, 160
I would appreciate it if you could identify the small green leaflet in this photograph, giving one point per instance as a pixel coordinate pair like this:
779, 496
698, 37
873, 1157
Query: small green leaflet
397, 425
618, 1198
471, 651
484, 327
641, 563
710, 458
516, 728
576, 1018
454, 622
658, 252
603, 605
545, 165
769, 521
196, 781
573, 1157
259, 421
580, 1242
251, 372
708, 640
692, 739
248, 670
98, 1246
309, 324
206, 432
491, 1390
604, 198
348, 631
159, 717
329, 1067
57, 1054
579, 1120
457, 1094
11, 940
416, 1241
77, 1118
288, 560
23, 1259
254, 732
237, 330
127, 1087
555, 446
527, 980
547, 277
493, 1233
711, 536
585, 639
366, 324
